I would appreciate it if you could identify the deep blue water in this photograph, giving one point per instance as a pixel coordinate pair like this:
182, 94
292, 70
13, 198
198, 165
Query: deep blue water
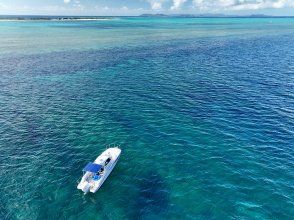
202, 108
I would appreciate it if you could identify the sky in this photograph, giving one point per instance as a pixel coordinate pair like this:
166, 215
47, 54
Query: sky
137, 7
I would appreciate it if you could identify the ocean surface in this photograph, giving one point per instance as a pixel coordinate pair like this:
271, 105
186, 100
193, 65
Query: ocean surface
203, 109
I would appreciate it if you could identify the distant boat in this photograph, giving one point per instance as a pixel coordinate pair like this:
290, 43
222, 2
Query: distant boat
96, 173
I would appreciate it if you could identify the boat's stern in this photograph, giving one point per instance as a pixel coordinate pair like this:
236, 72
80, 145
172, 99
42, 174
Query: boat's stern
84, 186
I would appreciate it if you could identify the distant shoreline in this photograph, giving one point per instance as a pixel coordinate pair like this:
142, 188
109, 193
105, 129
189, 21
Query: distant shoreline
212, 16
102, 18
52, 18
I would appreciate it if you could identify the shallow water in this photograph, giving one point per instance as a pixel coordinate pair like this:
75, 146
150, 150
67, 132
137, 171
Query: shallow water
202, 108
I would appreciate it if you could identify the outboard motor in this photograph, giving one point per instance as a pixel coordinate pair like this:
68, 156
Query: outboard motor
86, 187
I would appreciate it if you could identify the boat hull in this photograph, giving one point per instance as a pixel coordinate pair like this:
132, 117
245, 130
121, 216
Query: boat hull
88, 184
98, 186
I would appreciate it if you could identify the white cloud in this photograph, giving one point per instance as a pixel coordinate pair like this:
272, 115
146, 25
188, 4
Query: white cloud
77, 4
3, 6
66, 1
156, 4
218, 5
177, 4
100, 8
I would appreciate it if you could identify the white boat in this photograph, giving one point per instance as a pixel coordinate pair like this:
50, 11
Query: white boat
97, 172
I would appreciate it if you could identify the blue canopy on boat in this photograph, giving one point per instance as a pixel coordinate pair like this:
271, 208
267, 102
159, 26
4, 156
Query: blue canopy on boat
92, 167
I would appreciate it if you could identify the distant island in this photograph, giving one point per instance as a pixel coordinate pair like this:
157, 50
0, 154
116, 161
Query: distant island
210, 16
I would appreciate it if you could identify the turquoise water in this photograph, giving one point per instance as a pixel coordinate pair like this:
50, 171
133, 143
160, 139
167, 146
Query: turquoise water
202, 108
